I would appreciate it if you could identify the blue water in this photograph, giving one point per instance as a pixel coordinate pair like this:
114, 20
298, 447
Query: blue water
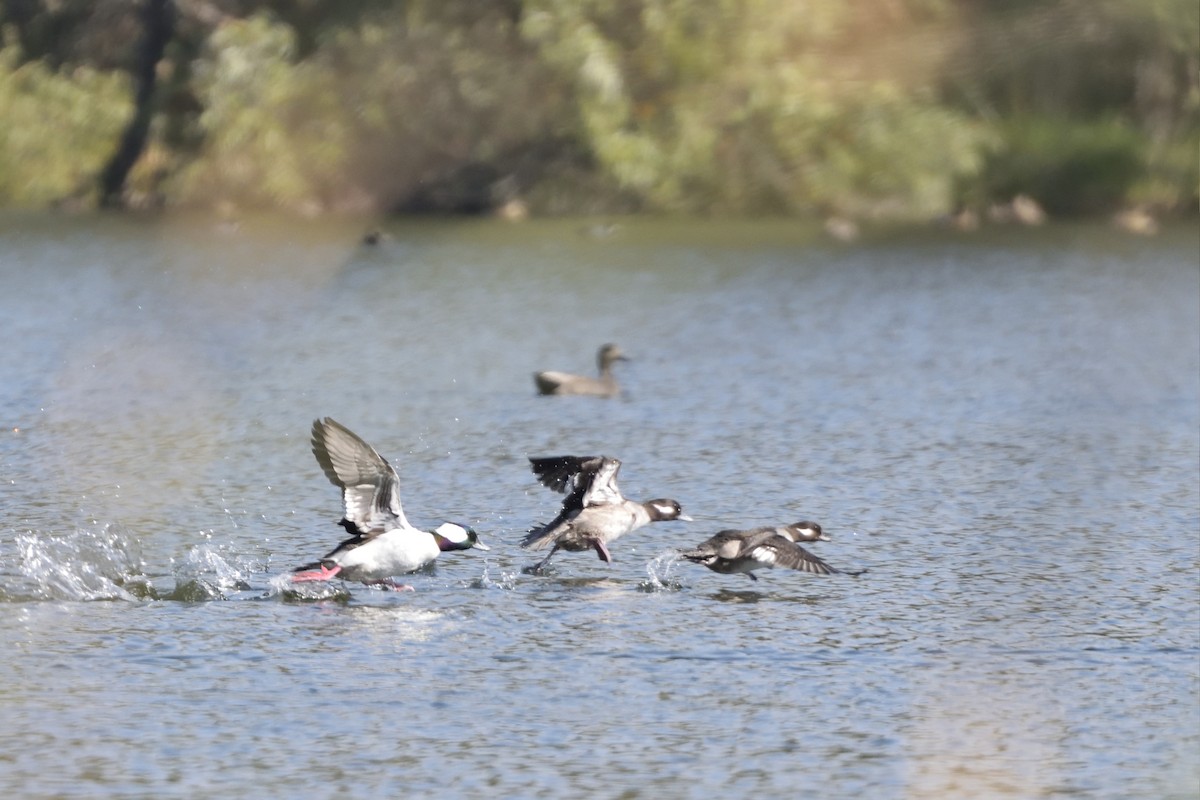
1004, 430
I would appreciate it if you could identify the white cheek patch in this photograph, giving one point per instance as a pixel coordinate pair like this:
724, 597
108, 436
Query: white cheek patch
795, 534
452, 532
729, 549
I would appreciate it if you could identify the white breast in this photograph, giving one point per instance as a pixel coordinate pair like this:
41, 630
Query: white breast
393, 553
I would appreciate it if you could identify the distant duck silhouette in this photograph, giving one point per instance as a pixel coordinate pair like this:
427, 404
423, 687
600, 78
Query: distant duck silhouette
564, 383
374, 237
1136, 220
382, 542
594, 513
734, 551
599, 230
843, 229
1021, 209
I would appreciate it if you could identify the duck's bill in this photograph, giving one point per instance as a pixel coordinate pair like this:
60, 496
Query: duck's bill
685, 518
478, 545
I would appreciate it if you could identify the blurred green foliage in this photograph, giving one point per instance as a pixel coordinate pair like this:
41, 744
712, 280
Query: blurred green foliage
1072, 167
728, 106
274, 135
378, 111
439, 97
892, 109
58, 128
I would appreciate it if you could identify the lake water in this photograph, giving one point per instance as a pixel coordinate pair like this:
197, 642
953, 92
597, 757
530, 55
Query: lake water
1003, 429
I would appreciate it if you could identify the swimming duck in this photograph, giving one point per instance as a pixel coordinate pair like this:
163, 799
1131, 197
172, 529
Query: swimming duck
565, 383
732, 551
382, 543
594, 513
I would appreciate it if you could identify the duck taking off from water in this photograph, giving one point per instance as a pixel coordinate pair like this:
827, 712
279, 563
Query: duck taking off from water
565, 383
733, 551
382, 543
594, 513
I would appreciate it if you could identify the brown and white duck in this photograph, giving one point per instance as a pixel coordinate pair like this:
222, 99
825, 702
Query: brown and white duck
565, 383
594, 514
744, 551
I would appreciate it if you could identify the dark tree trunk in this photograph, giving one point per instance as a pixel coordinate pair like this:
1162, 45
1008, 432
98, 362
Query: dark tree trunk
159, 22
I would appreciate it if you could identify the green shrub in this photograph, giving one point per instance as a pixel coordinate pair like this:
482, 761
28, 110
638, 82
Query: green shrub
58, 129
274, 130
1070, 166
745, 106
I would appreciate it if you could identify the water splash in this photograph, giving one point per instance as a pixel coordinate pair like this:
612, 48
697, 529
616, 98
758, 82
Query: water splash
507, 580
100, 564
281, 586
658, 572
210, 573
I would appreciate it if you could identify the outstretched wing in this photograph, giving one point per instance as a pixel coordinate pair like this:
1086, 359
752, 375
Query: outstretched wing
602, 489
587, 480
763, 546
370, 487
561, 473
780, 551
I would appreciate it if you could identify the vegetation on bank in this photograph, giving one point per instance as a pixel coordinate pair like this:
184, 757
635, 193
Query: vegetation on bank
884, 109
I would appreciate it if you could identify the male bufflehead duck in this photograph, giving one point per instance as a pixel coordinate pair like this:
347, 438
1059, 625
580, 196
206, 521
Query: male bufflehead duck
733, 551
382, 542
565, 383
594, 513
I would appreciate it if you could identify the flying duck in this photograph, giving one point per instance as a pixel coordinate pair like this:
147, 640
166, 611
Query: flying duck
594, 514
565, 383
732, 551
382, 543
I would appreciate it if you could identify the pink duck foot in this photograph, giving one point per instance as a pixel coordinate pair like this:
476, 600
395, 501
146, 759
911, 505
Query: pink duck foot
602, 551
323, 574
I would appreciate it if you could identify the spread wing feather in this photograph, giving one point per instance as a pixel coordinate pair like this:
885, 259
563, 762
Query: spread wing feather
370, 486
586, 480
762, 545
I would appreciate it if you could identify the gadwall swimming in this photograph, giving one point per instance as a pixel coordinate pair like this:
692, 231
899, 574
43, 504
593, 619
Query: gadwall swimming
565, 383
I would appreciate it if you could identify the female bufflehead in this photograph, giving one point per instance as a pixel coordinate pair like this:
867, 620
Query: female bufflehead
594, 513
732, 551
382, 542
566, 383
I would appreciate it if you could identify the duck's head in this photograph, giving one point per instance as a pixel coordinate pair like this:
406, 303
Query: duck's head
452, 536
663, 509
609, 354
804, 532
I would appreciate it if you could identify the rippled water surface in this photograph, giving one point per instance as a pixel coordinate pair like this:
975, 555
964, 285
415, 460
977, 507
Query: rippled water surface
1003, 430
